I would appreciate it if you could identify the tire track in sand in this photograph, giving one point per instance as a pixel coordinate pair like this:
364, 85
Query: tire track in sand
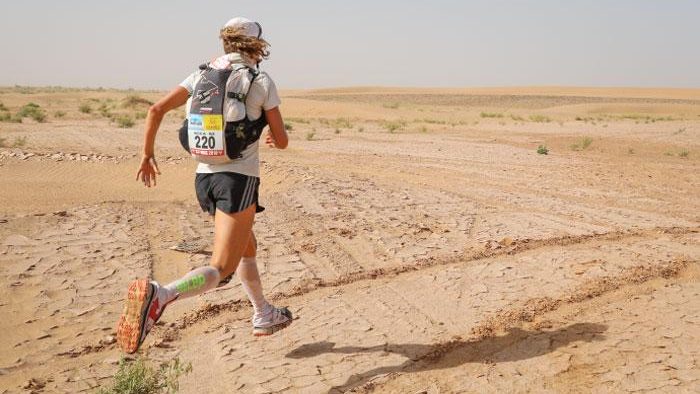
494, 250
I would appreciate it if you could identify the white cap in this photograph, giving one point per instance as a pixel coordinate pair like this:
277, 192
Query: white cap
249, 28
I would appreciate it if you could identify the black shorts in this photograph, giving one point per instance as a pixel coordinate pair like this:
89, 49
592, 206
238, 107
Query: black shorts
227, 191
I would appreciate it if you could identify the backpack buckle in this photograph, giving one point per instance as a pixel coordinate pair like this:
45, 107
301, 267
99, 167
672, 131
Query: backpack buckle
237, 96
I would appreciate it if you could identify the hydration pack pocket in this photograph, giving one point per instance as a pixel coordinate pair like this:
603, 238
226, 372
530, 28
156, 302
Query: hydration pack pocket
238, 135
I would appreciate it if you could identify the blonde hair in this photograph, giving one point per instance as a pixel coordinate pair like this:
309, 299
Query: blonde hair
235, 40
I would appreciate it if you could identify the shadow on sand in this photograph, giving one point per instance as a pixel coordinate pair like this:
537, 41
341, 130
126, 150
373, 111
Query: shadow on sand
516, 344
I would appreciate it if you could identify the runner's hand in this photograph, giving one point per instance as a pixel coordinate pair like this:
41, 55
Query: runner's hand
147, 171
270, 140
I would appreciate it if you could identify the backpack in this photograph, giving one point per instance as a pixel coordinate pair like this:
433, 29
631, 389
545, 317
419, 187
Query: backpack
218, 129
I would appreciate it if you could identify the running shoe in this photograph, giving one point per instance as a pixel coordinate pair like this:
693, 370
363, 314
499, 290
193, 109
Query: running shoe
142, 309
271, 322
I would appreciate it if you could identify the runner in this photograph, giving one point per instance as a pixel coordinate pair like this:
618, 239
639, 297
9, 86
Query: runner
226, 187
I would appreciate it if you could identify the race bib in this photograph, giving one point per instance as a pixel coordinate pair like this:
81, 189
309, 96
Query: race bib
206, 135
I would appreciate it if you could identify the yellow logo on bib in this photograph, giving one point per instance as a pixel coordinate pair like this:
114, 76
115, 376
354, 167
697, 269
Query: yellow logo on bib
213, 122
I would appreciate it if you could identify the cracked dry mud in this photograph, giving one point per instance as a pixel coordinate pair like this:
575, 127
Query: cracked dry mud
450, 260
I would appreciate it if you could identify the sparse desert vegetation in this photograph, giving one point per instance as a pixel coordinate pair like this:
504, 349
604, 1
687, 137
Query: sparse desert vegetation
33, 111
124, 121
582, 144
393, 125
138, 377
537, 118
85, 108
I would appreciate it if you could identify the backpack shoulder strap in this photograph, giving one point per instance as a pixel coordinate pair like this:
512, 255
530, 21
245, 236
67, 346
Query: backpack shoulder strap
240, 96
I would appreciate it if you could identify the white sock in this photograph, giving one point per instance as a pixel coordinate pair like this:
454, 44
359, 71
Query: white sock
250, 279
193, 283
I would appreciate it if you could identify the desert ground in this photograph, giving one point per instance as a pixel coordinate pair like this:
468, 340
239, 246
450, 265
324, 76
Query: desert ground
422, 237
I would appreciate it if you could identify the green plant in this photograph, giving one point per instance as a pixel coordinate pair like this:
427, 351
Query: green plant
681, 130
139, 378
288, 127
540, 119
393, 125
140, 115
586, 142
85, 108
391, 105
423, 129
360, 129
310, 135
299, 120
3, 107
491, 115
431, 121
39, 116
668, 154
134, 101
19, 142
684, 153
517, 118
32, 110
337, 131
7, 117
342, 123
542, 150
59, 114
583, 144
124, 121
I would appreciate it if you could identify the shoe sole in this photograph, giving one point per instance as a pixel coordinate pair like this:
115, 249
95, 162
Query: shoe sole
263, 332
132, 321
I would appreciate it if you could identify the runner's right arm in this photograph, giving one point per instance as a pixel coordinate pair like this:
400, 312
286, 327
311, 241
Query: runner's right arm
149, 168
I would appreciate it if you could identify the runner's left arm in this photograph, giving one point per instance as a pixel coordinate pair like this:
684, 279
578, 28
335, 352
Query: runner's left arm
277, 136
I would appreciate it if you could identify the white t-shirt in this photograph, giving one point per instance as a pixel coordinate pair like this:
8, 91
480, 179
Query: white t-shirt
261, 97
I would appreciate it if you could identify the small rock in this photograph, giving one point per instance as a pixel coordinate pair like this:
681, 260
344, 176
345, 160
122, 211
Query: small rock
33, 384
507, 241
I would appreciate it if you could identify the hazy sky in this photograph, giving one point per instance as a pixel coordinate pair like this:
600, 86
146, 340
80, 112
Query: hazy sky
155, 44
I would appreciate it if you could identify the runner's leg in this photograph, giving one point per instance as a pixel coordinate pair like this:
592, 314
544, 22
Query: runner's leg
231, 233
231, 237
250, 278
146, 300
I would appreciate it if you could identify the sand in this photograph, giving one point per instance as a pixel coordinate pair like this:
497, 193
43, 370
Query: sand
421, 241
